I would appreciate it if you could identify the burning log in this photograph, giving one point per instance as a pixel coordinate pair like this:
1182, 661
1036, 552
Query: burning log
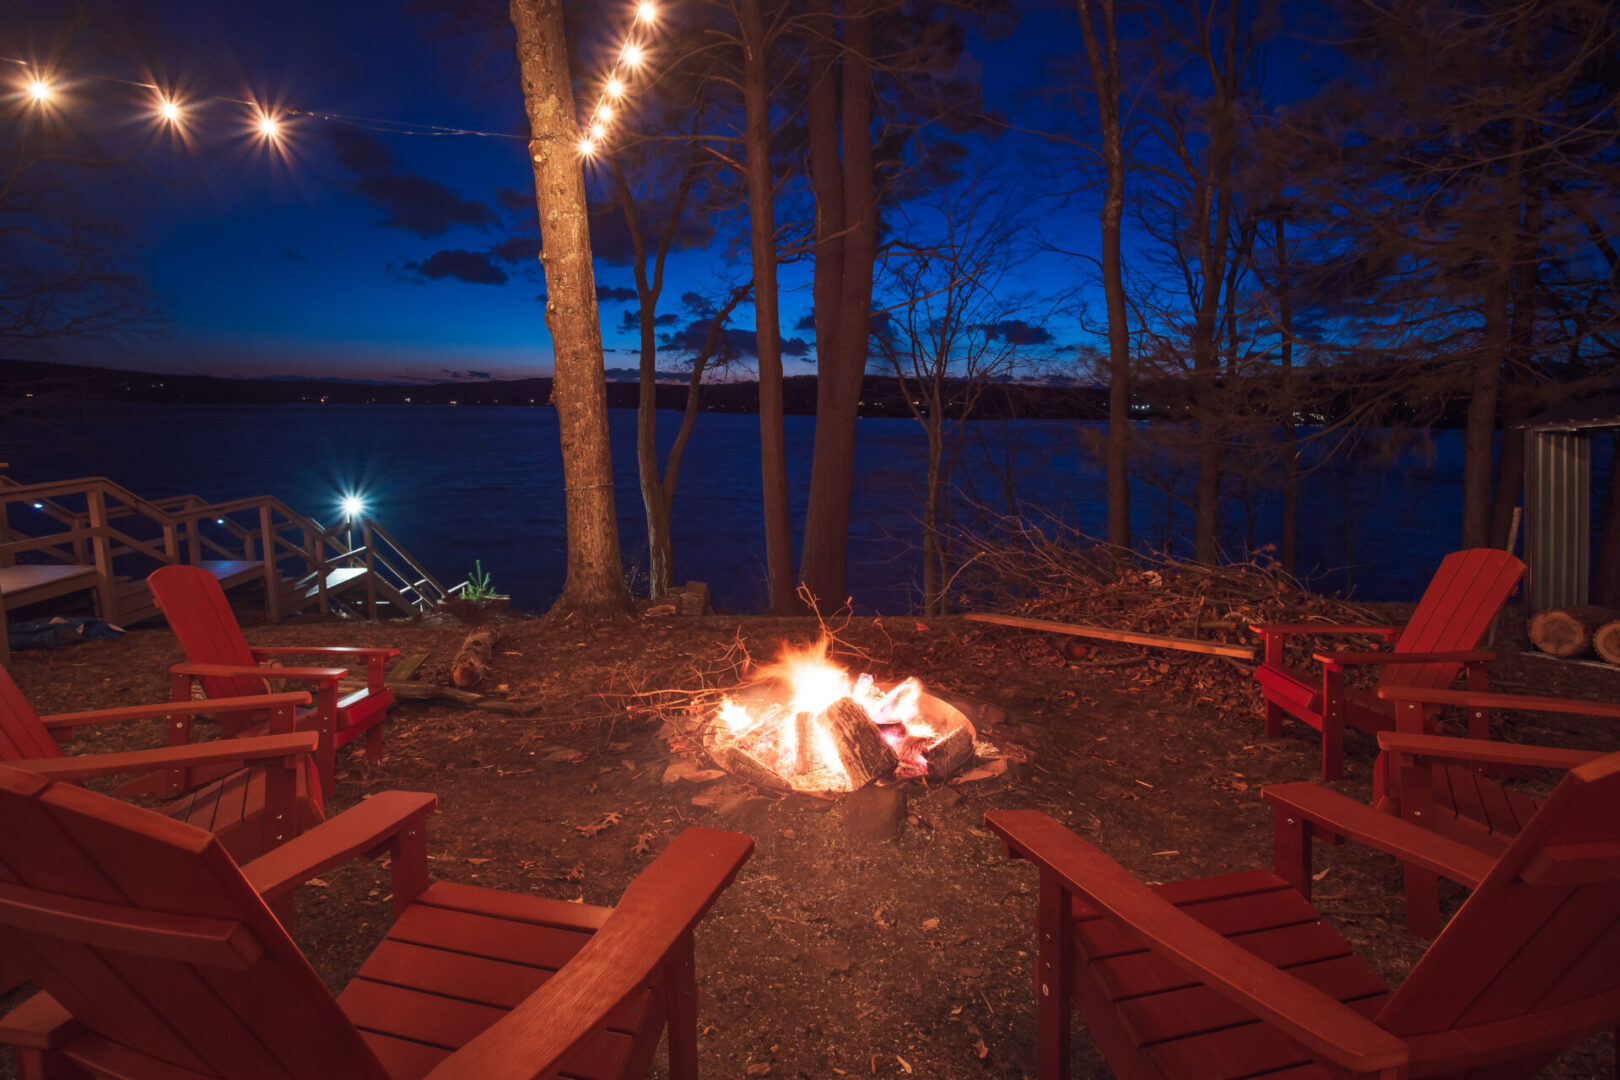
473, 659
802, 726
862, 750
745, 765
949, 754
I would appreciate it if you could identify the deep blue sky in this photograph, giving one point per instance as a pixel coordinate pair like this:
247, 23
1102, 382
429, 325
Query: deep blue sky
323, 262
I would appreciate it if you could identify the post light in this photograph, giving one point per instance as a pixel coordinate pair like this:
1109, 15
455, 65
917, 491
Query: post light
353, 506
39, 506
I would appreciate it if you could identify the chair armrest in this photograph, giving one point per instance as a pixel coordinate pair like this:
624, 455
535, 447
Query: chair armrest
174, 708
1359, 822
38, 1023
1323, 1024
1482, 700
323, 650
227, 671
652, 919
359, 830
1325, 628
1483, 751
186, 755
1361, 659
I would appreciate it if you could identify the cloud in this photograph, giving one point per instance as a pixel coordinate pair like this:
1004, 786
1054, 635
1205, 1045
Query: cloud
473, 267
1018, 332
614, 293
610, 236
422, 206
738, 342
517, 202
631, 319
469, 374
806, 322
356, 151
518, 248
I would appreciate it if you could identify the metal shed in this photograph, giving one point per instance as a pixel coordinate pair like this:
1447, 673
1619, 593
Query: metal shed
1558, 499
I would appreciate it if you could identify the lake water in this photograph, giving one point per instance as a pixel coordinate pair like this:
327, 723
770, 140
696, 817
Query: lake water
455, 484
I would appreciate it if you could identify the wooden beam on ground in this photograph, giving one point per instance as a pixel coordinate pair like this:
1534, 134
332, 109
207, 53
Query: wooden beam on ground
1127, 637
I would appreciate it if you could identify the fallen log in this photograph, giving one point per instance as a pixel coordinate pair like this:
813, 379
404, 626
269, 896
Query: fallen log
1567, 631
1129, 637
949, 754
862, 750
473, 659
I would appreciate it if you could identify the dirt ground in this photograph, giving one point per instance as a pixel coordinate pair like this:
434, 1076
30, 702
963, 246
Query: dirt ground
832, 955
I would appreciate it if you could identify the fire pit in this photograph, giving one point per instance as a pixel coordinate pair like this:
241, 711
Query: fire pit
808, 725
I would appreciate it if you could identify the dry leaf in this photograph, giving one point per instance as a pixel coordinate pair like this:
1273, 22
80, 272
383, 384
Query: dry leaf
929, 924
979, 1048
904, 1064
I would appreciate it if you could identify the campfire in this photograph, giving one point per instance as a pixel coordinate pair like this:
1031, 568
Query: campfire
807, 725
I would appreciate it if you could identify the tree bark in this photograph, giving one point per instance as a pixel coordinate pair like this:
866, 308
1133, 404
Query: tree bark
840, 361
767, 320
1606, 589
595, 575
1104, 61
1285, 318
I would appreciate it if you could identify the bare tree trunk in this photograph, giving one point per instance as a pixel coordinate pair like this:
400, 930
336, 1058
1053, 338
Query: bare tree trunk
767, 320
1104, 63
1285, 318
933, 548
840, 362
595, 580
1517, 400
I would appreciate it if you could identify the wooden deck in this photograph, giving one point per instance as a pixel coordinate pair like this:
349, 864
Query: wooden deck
29, 584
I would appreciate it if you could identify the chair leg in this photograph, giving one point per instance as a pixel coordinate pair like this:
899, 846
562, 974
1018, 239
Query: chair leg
680, 986
374, 741
1054, 978
44, 1065
1291, 858
1332, 722
1274, 720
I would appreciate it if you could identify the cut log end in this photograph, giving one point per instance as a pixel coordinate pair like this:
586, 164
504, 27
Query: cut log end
1566, 632
862, 750
1606, 640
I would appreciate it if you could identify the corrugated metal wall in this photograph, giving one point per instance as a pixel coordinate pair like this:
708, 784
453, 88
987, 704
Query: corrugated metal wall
1558, 512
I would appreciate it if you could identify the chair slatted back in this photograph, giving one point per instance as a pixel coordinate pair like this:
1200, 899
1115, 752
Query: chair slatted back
200, 616
1456, 609
145, 930
1540, 937
22, 736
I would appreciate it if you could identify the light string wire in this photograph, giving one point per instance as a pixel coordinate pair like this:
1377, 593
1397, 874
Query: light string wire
43, 87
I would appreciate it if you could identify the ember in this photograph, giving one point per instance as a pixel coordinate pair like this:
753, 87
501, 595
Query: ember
809, 726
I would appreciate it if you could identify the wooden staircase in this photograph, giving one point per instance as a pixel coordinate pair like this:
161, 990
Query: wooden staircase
93, 535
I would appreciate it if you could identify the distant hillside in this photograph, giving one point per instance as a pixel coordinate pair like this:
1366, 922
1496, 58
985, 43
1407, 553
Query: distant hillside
22, 379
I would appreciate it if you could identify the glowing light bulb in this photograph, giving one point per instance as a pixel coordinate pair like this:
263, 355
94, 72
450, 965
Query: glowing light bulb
598, 131
604, 114
353, 506
587, 146
646, 12
615, 88
269, 126
41, 91
633, 55
169, 110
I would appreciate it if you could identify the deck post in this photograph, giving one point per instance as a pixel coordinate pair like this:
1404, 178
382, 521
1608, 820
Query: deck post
106, 587
371, 569
5, 634
315, 543
272, 577
6, 557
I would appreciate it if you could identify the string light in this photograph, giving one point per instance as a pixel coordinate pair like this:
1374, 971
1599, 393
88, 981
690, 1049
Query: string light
41, 91
632, 54
269, 126
169, 110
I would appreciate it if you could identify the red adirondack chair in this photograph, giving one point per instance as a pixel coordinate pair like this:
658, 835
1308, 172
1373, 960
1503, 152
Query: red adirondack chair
1441, 783
218, 657
271, 796
1434, 646
1238, 976
159, 957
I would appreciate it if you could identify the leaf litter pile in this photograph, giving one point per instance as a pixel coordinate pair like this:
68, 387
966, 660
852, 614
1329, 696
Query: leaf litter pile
860, 940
